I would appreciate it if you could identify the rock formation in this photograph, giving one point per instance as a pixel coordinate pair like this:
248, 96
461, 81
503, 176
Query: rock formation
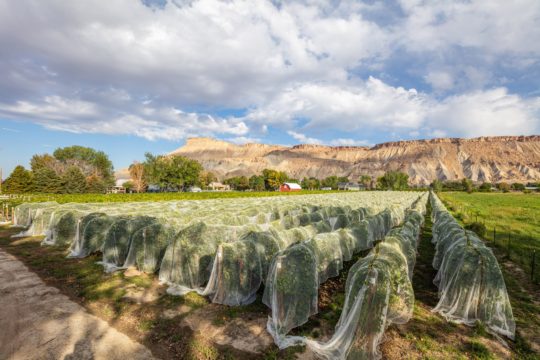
492, 159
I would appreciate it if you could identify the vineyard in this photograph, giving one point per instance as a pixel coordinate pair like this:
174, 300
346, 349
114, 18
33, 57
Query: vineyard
288, 247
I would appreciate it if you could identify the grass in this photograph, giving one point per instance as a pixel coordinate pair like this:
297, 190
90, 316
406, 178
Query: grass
515, 217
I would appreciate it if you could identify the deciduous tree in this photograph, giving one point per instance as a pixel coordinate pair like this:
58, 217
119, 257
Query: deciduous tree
136, 172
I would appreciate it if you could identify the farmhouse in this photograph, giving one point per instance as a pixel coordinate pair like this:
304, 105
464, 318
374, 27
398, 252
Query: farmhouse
350, 186
286, 187
217, 186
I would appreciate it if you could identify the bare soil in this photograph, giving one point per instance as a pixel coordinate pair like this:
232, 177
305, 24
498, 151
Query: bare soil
39, 322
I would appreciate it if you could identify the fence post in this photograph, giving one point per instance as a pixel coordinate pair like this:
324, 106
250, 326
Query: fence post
508, 246
533, 263
494, 235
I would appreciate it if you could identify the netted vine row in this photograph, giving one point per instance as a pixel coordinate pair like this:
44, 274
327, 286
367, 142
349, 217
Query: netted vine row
298, 271
138, 234
470, 281
378, 292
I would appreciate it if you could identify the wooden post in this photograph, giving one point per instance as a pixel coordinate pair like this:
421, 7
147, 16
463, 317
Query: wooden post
494, 235
533, 263
508, 246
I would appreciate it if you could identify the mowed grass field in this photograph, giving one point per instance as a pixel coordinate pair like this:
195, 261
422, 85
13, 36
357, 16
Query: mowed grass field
515, 217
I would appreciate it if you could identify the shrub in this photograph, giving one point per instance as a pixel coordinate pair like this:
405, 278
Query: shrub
477, 227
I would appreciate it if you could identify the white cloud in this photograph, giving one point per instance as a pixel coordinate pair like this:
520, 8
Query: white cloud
372, 104
440, 80
483, 113
77, 116
158, 73
489, 26
303, 139
380, 107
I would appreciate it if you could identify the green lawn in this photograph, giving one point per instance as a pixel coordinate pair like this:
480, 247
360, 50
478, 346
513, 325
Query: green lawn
514, 216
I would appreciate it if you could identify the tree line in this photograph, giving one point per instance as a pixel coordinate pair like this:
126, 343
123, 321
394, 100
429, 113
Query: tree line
77, 169
69, 170
467, 185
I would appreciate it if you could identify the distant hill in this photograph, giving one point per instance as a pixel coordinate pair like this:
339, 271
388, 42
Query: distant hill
493, 159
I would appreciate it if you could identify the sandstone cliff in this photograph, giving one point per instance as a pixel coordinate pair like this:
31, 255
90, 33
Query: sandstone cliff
493, 159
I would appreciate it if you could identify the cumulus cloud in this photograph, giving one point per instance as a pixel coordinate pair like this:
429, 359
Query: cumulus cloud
302, 138
371, 104
168, 71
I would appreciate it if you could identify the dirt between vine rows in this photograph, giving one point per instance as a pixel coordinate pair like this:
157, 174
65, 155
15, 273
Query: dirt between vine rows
39, 322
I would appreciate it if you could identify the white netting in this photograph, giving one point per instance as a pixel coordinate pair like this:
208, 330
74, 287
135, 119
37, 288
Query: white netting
296, 273
470, 282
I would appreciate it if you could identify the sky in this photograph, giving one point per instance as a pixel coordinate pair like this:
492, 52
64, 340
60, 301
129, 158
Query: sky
129, 76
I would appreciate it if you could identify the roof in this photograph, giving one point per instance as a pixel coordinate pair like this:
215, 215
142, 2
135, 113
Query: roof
293, 185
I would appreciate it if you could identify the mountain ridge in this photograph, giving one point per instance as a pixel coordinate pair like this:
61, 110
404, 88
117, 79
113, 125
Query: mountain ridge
494, 159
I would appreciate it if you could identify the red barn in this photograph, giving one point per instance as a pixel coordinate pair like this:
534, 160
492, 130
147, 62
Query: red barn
285, 187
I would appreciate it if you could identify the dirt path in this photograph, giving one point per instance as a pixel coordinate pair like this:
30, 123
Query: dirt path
40, 323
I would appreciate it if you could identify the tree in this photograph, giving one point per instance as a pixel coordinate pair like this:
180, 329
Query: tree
95, 185
311, 183
393, 180
136, 172
437, 185
273, 179
171, 172
504, 187
331, 182
47, 181
74, 181
256, 183
485, 187
205, 178
343, 179
240, 183
128, 185
365, 180
87, 160
518, 186
19, 181
467, 185
45, 161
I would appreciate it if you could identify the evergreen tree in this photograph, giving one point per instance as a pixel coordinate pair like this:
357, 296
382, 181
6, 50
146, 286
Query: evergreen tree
20, 181
46, 181
74, 181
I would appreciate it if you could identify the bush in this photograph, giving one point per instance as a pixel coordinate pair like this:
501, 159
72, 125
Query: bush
478, 228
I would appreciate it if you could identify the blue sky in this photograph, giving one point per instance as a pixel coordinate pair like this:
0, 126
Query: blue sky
129, 76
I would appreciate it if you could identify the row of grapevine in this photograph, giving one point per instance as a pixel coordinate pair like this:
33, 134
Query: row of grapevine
227, 249
378, 293
470, 282
298, 271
